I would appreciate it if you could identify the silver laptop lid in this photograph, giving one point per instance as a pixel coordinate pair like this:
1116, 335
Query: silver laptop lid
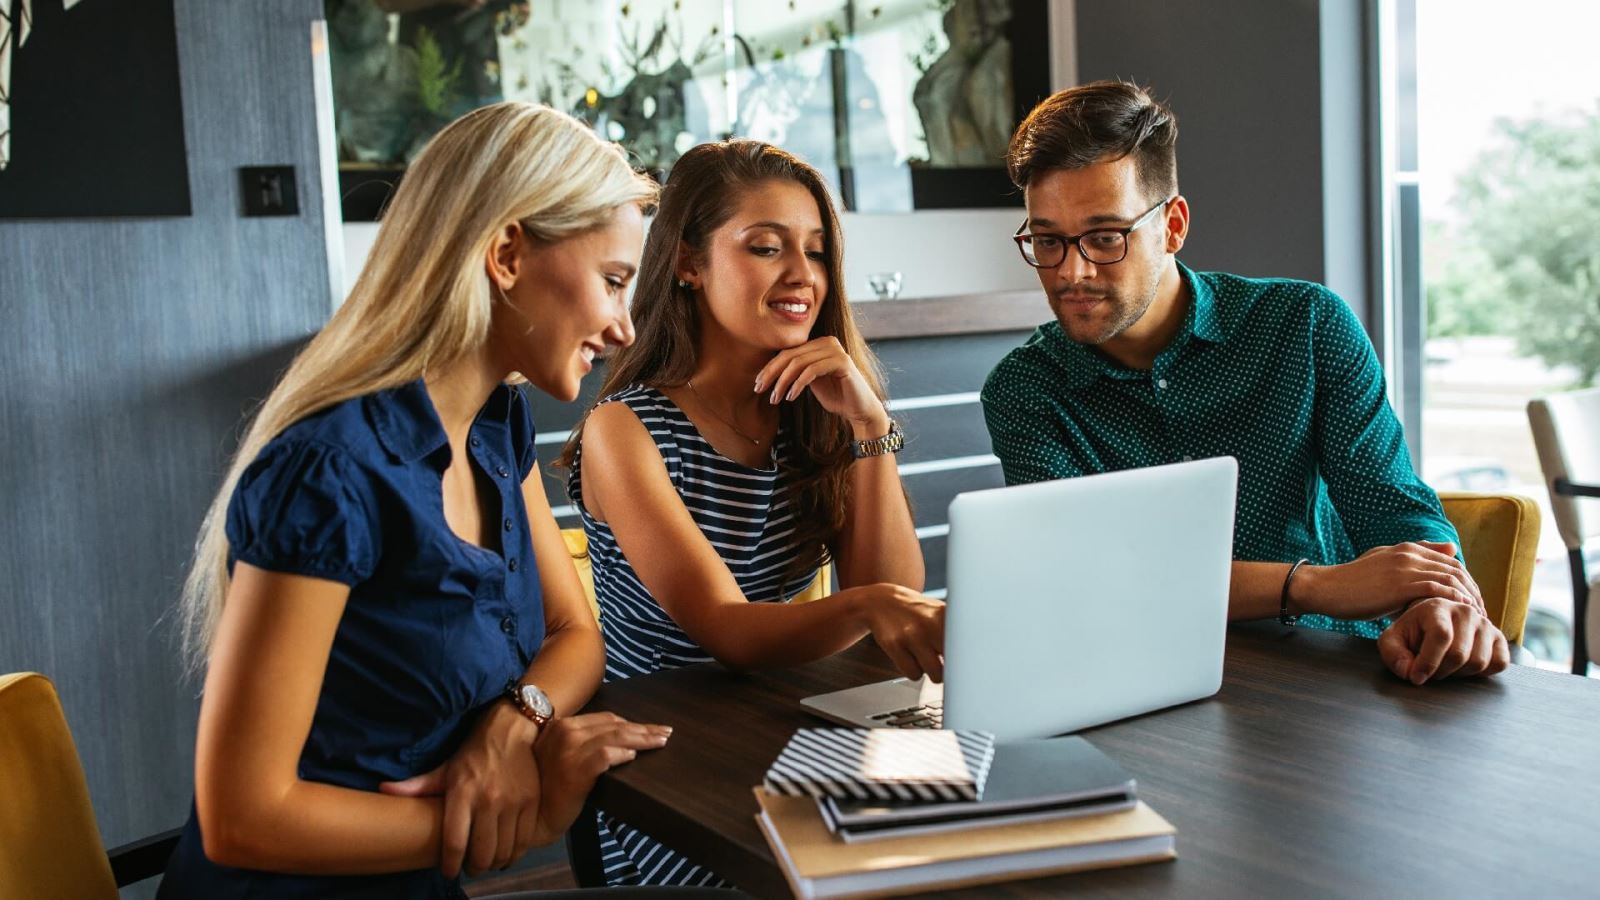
1085, 600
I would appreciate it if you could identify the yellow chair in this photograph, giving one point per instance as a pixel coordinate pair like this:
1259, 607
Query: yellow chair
49, 843
578, 548
1499, 539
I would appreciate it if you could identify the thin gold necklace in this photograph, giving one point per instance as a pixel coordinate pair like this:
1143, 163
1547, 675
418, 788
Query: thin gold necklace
709, 408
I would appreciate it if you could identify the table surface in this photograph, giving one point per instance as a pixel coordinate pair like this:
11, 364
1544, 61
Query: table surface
1313, 772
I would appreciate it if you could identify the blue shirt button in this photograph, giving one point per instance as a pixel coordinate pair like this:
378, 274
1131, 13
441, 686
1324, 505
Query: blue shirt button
509, 624
474, 441
502, 471
507, 524
512, 563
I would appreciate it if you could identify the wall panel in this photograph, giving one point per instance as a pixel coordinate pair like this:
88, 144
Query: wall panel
129, 351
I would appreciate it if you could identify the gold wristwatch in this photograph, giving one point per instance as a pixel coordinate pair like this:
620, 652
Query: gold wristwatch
531, 702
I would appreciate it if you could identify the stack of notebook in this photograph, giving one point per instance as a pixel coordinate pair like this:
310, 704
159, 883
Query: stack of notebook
843, 820
879, 764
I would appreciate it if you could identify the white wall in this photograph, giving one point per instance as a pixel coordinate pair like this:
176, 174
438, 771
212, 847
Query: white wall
937, 252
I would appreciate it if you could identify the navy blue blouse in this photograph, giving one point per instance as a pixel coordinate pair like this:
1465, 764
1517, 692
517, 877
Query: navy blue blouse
435, 627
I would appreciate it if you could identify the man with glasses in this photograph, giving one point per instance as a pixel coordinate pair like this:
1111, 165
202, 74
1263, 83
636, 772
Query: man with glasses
1149, 362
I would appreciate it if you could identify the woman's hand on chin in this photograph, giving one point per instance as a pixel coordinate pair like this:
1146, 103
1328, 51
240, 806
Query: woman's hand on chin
823, 366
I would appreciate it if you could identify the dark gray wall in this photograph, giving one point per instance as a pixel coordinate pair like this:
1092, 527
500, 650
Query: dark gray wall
128, 352
1349, 184
1244, 78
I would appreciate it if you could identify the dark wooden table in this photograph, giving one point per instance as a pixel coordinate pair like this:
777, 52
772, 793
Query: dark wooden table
1312, 773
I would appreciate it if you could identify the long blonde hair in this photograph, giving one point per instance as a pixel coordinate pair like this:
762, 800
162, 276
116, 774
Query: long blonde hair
423, 299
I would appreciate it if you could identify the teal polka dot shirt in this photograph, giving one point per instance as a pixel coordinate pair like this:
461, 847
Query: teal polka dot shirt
1273, 372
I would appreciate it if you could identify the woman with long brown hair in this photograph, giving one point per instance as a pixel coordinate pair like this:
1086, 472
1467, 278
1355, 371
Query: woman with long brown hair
741, 442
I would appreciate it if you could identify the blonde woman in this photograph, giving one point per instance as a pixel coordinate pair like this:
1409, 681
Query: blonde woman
740, 443
380, 596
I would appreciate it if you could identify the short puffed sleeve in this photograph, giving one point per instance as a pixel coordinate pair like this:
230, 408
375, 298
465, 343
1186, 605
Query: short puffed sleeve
301, 508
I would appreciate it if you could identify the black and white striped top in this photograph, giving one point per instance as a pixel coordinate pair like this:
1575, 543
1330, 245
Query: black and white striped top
743, 512
745, 515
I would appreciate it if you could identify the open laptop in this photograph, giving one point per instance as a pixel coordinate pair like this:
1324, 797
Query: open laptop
1073, 603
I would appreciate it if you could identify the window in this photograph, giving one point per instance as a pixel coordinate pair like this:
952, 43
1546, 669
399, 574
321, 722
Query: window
1492, 202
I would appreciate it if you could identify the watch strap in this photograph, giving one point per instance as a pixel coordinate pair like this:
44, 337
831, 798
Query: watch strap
889, 443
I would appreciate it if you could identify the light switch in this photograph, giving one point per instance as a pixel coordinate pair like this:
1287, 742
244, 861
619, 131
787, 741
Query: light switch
269, 191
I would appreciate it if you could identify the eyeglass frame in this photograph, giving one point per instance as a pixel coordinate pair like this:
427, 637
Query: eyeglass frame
1076, 240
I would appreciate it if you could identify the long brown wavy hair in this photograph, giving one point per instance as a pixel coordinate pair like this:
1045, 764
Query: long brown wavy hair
700, 196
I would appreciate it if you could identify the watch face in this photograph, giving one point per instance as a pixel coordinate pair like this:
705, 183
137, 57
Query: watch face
536, 700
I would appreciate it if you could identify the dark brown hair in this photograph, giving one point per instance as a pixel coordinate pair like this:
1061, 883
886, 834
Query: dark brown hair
700, 196
1099, 122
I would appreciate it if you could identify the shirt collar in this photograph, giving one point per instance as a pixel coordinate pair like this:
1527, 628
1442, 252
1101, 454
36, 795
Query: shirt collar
409, 428
1082, 365
406, 422
1202, 320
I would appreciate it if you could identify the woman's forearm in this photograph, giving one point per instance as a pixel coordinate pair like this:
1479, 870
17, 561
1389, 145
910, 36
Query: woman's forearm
569, 666
321, 829
770, 635
879, 542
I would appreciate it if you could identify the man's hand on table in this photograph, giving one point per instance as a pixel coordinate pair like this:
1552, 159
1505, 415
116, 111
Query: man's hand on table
1437, 638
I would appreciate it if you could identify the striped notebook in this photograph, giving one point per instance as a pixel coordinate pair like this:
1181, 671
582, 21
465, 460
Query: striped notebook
883, 764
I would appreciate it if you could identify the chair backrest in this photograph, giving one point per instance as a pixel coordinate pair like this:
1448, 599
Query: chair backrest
578, 548
1566, 432
1499, 541
49, 843
1592, 621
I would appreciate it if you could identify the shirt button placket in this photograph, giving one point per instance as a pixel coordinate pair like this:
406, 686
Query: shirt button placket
1166, 386
1170, 429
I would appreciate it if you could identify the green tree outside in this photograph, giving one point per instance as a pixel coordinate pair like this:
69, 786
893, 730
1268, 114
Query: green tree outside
1524, 257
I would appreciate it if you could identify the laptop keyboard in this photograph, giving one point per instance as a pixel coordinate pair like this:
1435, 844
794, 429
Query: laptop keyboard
930, 715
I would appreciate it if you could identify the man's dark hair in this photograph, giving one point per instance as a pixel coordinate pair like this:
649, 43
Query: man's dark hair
1101, 121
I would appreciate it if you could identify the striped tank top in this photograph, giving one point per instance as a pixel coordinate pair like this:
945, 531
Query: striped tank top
746, 516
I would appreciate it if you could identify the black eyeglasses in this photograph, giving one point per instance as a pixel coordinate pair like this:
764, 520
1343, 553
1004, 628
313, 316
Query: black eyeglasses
1101, 246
